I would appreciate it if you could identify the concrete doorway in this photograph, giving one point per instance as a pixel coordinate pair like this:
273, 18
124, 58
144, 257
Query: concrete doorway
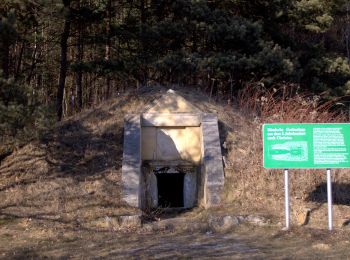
172, 136
169, 184
170, 190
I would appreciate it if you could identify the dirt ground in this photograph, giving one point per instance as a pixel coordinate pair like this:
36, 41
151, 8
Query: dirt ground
32, 239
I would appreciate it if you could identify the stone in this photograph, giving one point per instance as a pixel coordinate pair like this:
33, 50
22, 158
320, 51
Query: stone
222, 223
321, 246
257, 220
147, 228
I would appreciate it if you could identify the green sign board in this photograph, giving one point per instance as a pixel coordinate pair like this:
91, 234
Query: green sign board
306, 146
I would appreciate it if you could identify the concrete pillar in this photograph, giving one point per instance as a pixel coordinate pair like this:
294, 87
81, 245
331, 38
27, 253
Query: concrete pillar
131, 167
212, 161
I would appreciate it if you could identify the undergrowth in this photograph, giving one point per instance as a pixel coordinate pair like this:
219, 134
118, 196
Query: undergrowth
255, 187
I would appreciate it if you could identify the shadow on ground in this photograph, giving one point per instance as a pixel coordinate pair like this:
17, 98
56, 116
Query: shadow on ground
340, 194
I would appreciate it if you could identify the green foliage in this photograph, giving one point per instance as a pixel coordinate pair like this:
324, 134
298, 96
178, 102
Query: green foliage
337, 73
21, 117
193, 38
7, 31
219, 44
313, 15
14, 107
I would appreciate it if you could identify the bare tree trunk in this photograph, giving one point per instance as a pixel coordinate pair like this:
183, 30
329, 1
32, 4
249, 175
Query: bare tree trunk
5, 60
79, 58
63, 63
79, 73
32, 66
347, 32
108, 46
143, 19
19, 62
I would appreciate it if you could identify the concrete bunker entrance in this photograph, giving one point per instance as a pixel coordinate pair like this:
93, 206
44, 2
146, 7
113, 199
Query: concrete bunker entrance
172, 156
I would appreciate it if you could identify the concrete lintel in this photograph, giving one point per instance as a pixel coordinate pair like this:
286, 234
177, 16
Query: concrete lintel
175, 119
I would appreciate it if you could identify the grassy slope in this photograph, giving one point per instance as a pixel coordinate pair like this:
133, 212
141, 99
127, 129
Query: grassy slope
72, 175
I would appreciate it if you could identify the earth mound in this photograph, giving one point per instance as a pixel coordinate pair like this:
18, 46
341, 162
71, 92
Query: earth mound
72, 174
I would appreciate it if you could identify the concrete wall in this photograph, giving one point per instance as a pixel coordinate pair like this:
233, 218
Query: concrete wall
171, 143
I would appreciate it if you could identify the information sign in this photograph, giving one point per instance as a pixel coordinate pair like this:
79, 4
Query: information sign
289, 146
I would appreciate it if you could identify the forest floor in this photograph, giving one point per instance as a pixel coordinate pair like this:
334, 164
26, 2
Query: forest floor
57, 191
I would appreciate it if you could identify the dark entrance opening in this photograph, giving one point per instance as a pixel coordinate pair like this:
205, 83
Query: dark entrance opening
170, 190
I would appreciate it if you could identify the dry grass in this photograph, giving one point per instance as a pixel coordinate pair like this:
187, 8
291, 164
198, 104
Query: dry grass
251, 187
72, 175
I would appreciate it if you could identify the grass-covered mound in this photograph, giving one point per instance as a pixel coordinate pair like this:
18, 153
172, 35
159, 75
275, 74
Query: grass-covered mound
72, 174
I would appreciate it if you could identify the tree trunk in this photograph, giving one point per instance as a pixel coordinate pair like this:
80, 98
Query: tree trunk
79, 73
143, 19
19, 62
347, 32
63, 62
108, 46
5, 60
33, 64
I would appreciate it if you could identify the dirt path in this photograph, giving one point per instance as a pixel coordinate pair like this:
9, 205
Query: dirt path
40, 240
170, 245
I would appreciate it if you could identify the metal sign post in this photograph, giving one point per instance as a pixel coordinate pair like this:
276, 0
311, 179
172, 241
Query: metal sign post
286, 197
329, 199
